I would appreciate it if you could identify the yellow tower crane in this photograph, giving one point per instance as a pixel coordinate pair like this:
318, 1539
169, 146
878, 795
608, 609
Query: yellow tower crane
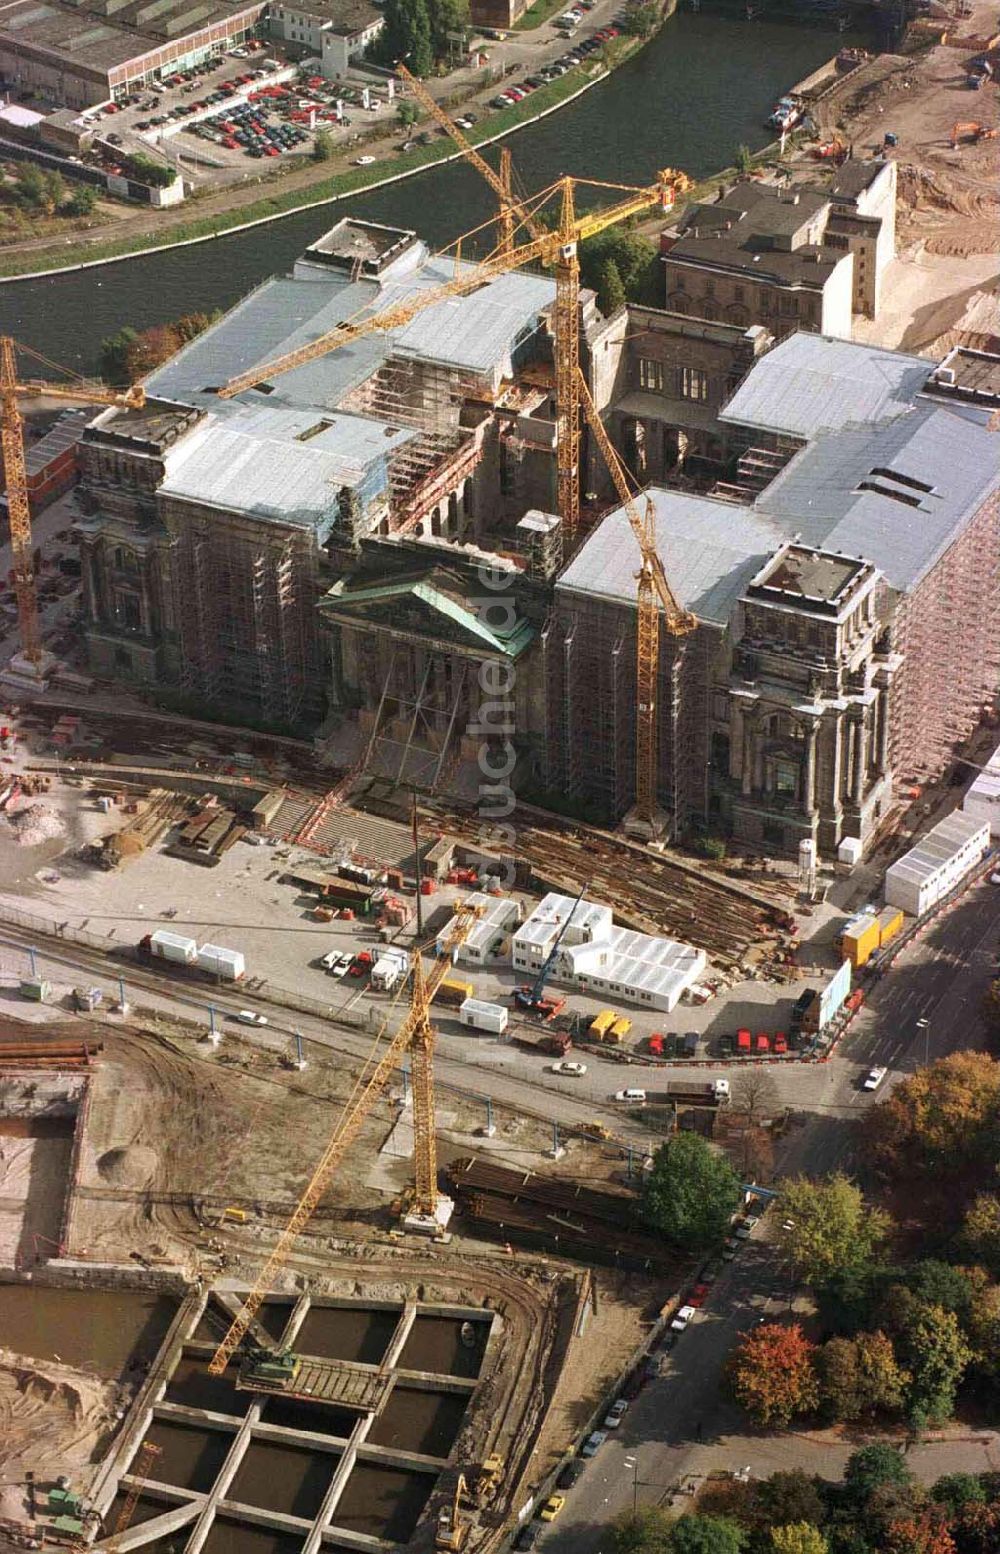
557, 249
653, 593
416, 1036
15, 472
144, 1461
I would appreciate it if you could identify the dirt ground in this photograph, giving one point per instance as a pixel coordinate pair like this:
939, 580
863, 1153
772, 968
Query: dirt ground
948, 199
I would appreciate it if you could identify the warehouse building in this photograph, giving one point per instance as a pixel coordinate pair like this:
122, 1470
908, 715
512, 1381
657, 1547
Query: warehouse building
929, 871
597, 957
77, 55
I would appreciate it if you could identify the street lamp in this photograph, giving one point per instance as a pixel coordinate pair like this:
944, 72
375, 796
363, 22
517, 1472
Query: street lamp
633, 1463
925, 1026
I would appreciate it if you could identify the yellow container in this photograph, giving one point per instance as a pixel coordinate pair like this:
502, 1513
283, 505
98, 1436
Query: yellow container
861, 940
619, 1030
453, 992
890, 921
602, 1023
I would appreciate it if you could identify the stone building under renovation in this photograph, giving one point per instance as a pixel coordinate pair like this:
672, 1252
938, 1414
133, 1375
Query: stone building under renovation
364, 547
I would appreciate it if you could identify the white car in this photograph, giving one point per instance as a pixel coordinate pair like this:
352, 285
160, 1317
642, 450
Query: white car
330, 959
629, 1095
577, 1070
616, 1413
683, 1317
874, 1078
364, 161
592, 1445
248, 1017
995, 878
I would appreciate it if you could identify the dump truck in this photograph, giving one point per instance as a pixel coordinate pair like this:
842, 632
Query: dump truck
699, 1092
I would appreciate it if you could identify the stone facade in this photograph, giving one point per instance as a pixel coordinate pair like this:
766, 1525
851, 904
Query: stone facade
800, 728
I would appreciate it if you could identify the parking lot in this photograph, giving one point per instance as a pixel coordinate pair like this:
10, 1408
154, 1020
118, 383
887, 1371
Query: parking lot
255, 107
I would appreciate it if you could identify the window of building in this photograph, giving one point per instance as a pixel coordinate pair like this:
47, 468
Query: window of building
651, 375
774, 833
737, 293
786, 779
709, 288
680, 282
694, 383
720, 707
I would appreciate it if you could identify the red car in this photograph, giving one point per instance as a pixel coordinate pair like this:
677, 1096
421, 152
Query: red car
360, 964
763, 1042
698, 1295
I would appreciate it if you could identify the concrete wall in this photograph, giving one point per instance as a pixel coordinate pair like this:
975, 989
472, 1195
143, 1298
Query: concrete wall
838, 300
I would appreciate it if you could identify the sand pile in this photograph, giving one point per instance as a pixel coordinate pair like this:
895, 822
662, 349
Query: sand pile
37, 824
131, 1167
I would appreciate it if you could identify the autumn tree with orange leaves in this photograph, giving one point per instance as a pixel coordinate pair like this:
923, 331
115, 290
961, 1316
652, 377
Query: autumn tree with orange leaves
773, 1373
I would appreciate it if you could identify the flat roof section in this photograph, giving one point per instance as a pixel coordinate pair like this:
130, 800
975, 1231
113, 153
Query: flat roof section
711, 551
940, 843
92, 39
812, 575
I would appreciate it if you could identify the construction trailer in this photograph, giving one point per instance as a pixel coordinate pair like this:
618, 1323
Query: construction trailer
939, 861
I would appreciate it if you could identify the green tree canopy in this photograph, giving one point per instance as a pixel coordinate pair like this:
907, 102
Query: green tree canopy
644, 1531
980, 1233
322, 146
695, 1534
798, 1538
871, 1467
831, 1226
610, 291
789, 1496
635, 257
937, 1354
956, 1490
691, 1193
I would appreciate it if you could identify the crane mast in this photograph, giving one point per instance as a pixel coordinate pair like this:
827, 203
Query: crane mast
16, 475
653, 593
144, 1461
415, 1034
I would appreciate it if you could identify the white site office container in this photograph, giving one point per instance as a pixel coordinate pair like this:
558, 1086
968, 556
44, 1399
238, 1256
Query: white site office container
387, 971
173, 946
484, 1017
221, 962
849, 851
934, 866
982, 802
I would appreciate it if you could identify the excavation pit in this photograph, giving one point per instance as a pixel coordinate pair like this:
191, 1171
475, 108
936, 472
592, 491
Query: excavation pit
347, 1333
190, 1458
102, 1331
283, 1478
313, 1417
426, 1422
229, 1536
193, 1385
383, 1502
446, 1346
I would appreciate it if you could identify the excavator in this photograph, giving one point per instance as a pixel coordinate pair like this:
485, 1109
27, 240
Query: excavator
973, 133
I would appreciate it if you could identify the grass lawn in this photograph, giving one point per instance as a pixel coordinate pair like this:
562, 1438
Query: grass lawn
540, 12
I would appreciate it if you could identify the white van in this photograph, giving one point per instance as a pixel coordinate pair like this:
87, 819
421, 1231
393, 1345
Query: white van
630, 1095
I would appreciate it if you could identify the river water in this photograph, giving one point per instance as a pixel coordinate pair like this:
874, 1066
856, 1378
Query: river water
701, 87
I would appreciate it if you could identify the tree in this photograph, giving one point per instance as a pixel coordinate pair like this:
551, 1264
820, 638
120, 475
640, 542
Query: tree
641, 21
883, 1382
695, 1534
773, 1373
447, 17
691, 1193
937, 1355
832, 1229
406, 35
990, 1007
757, 1155
145, 170
407, 112
798, 1538
980, 1233
924, 1534
81, 201
115, 354
755, 1095
982, 1326
322, 146
29, 185
954, 1491
610, 292
789, 1496
636, 258
872, 1467
978, 1528
645, 1531
943, 1119
839, 1379
743, 159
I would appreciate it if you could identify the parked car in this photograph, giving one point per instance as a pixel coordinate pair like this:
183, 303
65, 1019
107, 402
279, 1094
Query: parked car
699, 1294
553, 1505
616, 1413
682, 1318
874, 1078
576, 1070
570, 1474
629, 1095
780, 1042
592, 1445
250, 1017
528, 1536
363, 161
361, 963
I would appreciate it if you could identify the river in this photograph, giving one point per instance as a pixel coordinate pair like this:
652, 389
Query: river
703, 86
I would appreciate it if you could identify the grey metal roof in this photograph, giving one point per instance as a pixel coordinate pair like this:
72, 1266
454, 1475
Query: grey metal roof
475, 333
354, 439
817, 494
812, 383
710, 551
266, 477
